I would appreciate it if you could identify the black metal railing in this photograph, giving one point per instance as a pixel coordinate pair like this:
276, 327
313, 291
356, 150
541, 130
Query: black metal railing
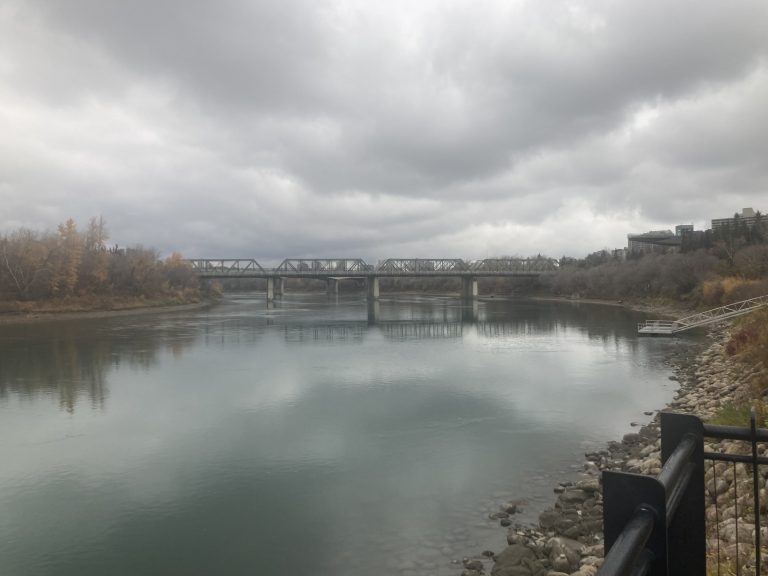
657, 526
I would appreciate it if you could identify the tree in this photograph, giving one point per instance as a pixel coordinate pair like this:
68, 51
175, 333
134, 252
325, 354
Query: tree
25, 263
70, 251
94, 268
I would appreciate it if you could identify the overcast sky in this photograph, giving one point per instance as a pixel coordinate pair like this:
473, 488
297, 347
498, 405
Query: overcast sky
405, 128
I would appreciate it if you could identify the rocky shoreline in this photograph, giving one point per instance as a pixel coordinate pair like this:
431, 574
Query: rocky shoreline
568, 539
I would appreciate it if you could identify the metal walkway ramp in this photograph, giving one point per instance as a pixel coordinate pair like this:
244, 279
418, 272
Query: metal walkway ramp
702, 318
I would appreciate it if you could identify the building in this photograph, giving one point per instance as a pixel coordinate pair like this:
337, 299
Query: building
658, 241
748, 216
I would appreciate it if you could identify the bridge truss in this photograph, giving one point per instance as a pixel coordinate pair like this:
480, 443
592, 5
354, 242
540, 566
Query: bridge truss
227, 267
293, 266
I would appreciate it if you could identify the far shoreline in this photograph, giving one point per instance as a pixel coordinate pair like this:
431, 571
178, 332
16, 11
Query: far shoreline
40, 316
43, 315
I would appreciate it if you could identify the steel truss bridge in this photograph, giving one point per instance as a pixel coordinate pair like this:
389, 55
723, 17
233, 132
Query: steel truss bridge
336, 269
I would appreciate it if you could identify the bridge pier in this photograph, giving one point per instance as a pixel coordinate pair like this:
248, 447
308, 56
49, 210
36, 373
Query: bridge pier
279, 286
332, 286
373, 287
468, 287
270, 289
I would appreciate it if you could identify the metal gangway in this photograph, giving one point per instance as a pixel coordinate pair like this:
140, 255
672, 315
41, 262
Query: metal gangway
702, 318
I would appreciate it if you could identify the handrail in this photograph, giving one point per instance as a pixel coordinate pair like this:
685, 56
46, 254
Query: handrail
702, 318
658, 525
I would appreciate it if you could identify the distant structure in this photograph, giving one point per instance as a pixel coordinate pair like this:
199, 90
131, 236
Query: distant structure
748, 216
684, 236
658, 241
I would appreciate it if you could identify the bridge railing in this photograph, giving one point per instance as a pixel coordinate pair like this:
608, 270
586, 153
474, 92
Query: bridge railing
322, 266
724, 312
233, 266
422, 265
658, 526
516, 265
702, 318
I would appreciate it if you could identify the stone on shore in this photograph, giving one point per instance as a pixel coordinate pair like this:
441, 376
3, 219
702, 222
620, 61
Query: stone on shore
517, 560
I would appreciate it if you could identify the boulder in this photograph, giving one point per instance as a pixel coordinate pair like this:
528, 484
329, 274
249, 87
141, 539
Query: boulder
566, 549
517, 560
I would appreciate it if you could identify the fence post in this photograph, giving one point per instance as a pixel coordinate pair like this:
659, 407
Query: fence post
686, 535
625, 496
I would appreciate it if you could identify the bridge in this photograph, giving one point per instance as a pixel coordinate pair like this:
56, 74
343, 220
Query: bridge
333, 270
668, 327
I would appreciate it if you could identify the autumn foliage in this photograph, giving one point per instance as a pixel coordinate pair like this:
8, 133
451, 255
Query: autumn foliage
75, 264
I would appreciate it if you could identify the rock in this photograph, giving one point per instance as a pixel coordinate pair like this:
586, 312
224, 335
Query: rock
473, 565
561, 563
505, 522
513, 508
589, 485
548, 518
592, 561
517, 560
573, 495
564, 548
631, 438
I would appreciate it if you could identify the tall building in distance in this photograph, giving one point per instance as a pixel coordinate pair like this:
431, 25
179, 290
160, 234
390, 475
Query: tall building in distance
748, 216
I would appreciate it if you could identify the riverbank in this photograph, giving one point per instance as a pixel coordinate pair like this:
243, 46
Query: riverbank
656, 309
104, 309
568, 537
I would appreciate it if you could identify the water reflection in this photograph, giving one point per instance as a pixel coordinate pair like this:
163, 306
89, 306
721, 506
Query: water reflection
70, 360
302, 437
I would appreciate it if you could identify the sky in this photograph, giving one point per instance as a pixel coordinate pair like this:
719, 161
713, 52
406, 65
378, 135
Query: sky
409, 128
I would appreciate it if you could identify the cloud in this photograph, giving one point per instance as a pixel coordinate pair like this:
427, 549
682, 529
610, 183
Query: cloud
326, 127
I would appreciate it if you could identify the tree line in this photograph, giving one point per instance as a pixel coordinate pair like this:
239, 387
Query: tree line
70, 263
712, 268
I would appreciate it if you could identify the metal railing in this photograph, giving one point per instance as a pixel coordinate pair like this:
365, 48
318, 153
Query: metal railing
702, 318
657, 526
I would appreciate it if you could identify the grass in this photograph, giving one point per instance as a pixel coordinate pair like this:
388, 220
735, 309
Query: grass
737, 414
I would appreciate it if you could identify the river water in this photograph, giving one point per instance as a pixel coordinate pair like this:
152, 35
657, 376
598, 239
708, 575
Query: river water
312, 436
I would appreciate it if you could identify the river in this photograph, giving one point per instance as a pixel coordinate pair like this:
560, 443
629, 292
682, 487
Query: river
312, 436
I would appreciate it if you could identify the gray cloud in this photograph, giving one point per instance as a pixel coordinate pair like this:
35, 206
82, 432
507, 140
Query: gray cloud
326, 127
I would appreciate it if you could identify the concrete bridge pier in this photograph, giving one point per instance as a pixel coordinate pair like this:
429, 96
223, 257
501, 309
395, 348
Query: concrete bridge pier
270, 289
332, 286
469, 287
279, 286
373, 287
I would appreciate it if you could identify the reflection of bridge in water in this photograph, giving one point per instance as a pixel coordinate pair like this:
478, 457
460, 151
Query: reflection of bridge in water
397, 330
334, 270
